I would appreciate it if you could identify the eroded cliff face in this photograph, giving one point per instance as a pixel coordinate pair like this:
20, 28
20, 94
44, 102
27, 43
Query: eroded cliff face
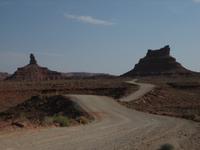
158, 62
33, 72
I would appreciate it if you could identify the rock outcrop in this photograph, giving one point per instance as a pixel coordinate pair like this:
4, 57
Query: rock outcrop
33, 72
158, 62
32, 60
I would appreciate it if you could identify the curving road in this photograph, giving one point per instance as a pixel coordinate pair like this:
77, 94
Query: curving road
115, 128
143, 89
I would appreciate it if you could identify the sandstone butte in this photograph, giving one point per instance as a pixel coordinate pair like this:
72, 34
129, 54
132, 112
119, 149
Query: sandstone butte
34, 72
158, 62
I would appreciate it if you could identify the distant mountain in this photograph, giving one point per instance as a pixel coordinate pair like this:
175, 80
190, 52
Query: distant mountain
158, 62
3, 75
34, 72
86, 75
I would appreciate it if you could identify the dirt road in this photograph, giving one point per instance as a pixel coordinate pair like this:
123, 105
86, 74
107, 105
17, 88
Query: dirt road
115, 128
143, 89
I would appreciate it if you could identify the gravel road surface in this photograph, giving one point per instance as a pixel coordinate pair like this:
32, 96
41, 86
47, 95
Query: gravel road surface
115, 128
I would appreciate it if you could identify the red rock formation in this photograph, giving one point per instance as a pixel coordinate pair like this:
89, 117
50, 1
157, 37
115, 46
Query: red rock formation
33, 72
158, 62
32, 60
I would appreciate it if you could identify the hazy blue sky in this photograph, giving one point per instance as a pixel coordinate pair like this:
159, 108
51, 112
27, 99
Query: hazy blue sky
97, 35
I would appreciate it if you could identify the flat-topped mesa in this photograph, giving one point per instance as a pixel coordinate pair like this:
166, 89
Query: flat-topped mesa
158, 62
163, 52
32, 60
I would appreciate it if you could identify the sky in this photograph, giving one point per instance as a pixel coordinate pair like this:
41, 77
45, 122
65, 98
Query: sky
107, 36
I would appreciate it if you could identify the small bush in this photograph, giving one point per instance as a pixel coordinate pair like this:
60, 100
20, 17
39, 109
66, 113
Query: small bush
48, 121
166, 147
83, 120
63, 121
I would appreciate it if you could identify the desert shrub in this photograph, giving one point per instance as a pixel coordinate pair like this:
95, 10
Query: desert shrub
48, 121
63, 121
83, 120
166, 147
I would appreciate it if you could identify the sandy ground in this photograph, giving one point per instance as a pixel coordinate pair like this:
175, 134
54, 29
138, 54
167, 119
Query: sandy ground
115, 128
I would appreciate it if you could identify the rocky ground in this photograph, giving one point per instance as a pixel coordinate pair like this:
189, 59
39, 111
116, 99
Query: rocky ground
43, 112
115, 128
33, 104
13, 93
178, 97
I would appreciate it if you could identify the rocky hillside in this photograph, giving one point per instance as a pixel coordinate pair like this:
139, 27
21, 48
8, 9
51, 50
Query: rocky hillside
158, 62
34, 72
43, 111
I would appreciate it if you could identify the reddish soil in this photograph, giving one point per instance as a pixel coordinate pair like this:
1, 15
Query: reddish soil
25, 98
40, 111
13, 93
179, 98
